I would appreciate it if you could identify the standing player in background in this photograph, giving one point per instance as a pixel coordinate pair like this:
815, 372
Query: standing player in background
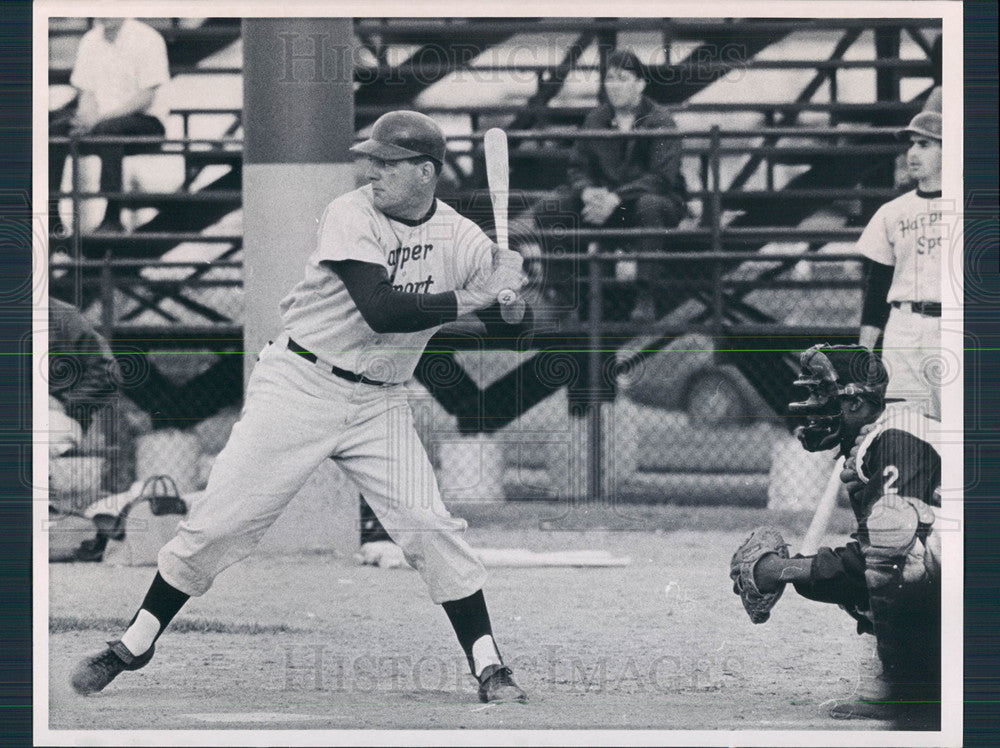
393, 264
904, 180
903, 247
889, 578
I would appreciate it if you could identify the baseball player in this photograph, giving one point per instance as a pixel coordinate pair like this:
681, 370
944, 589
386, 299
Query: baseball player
391, 266
889, 578
903, 247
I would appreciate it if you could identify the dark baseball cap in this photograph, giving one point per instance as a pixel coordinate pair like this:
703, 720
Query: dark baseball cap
927, 124
403, 134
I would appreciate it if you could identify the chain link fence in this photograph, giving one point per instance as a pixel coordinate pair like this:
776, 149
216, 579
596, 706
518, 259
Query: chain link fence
688, 407
175, 329
655, 375
685, 408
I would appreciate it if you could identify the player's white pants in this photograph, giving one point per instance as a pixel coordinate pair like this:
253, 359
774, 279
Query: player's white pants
295, 416
911, 352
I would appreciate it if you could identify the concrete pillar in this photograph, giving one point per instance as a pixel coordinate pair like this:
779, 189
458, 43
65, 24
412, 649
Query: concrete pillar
298, 119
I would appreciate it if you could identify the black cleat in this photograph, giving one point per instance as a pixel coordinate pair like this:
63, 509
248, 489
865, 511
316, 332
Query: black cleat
97, 671
496, 684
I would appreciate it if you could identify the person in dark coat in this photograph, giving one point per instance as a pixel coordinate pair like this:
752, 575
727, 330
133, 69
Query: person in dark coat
622, 182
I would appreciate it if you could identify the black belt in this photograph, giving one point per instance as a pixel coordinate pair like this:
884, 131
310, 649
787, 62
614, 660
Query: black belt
926, 308
350, 376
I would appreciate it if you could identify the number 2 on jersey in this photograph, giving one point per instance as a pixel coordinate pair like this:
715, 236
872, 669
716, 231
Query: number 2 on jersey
891, 475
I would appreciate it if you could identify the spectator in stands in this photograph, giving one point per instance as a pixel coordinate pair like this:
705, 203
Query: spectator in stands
120, 65
626, 182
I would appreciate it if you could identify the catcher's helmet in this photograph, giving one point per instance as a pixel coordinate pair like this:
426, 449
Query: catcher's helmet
401, 135
830, 373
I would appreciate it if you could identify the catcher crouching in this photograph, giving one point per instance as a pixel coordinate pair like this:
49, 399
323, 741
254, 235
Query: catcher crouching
889, 577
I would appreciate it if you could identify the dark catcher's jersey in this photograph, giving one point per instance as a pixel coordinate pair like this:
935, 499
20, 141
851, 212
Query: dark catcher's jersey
897, 457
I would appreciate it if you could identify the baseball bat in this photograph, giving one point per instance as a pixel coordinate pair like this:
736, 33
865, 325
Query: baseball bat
498, 179
824, 509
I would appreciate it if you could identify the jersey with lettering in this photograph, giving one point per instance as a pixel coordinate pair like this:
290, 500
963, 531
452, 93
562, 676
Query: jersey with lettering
898, 457
906, 232
440, 252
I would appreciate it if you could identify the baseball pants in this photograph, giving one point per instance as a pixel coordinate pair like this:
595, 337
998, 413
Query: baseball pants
911, 352
296, 414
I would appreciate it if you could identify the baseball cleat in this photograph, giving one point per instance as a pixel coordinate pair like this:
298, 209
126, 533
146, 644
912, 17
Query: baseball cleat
497, 684
97, 671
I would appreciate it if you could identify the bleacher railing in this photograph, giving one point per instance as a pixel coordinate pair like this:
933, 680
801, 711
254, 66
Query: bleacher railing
718, 244
745, 295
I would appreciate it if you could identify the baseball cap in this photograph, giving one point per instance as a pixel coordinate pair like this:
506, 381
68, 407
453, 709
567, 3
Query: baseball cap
403, 134
927, 124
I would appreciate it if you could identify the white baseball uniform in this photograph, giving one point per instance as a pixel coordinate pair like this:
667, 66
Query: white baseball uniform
907, 233
298, 413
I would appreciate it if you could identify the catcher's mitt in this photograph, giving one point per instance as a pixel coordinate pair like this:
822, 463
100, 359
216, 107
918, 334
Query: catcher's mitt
762, 541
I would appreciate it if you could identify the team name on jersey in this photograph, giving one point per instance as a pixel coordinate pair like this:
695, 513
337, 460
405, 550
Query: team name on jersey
921, 225
423, 286
399, 257
397, 260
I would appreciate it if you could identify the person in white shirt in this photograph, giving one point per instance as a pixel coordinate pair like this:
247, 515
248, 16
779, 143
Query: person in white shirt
120, 65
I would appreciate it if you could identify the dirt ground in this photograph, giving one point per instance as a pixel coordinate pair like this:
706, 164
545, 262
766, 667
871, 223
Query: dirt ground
317, 642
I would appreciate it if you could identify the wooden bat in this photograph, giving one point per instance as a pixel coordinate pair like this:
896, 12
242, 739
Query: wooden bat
498, 179
820, 520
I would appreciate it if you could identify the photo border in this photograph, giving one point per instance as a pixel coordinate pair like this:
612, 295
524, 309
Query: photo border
954, 416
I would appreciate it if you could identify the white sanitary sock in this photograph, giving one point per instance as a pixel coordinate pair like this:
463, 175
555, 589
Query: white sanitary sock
484, 653
142, 633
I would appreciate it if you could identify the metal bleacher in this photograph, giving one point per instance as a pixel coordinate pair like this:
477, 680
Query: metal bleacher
846, 160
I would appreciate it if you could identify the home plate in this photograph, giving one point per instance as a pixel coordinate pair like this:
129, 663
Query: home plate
259, 717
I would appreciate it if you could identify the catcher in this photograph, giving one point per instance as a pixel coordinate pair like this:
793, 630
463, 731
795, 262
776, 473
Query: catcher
889, 577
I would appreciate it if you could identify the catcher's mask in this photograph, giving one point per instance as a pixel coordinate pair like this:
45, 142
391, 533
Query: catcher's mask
832, 373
